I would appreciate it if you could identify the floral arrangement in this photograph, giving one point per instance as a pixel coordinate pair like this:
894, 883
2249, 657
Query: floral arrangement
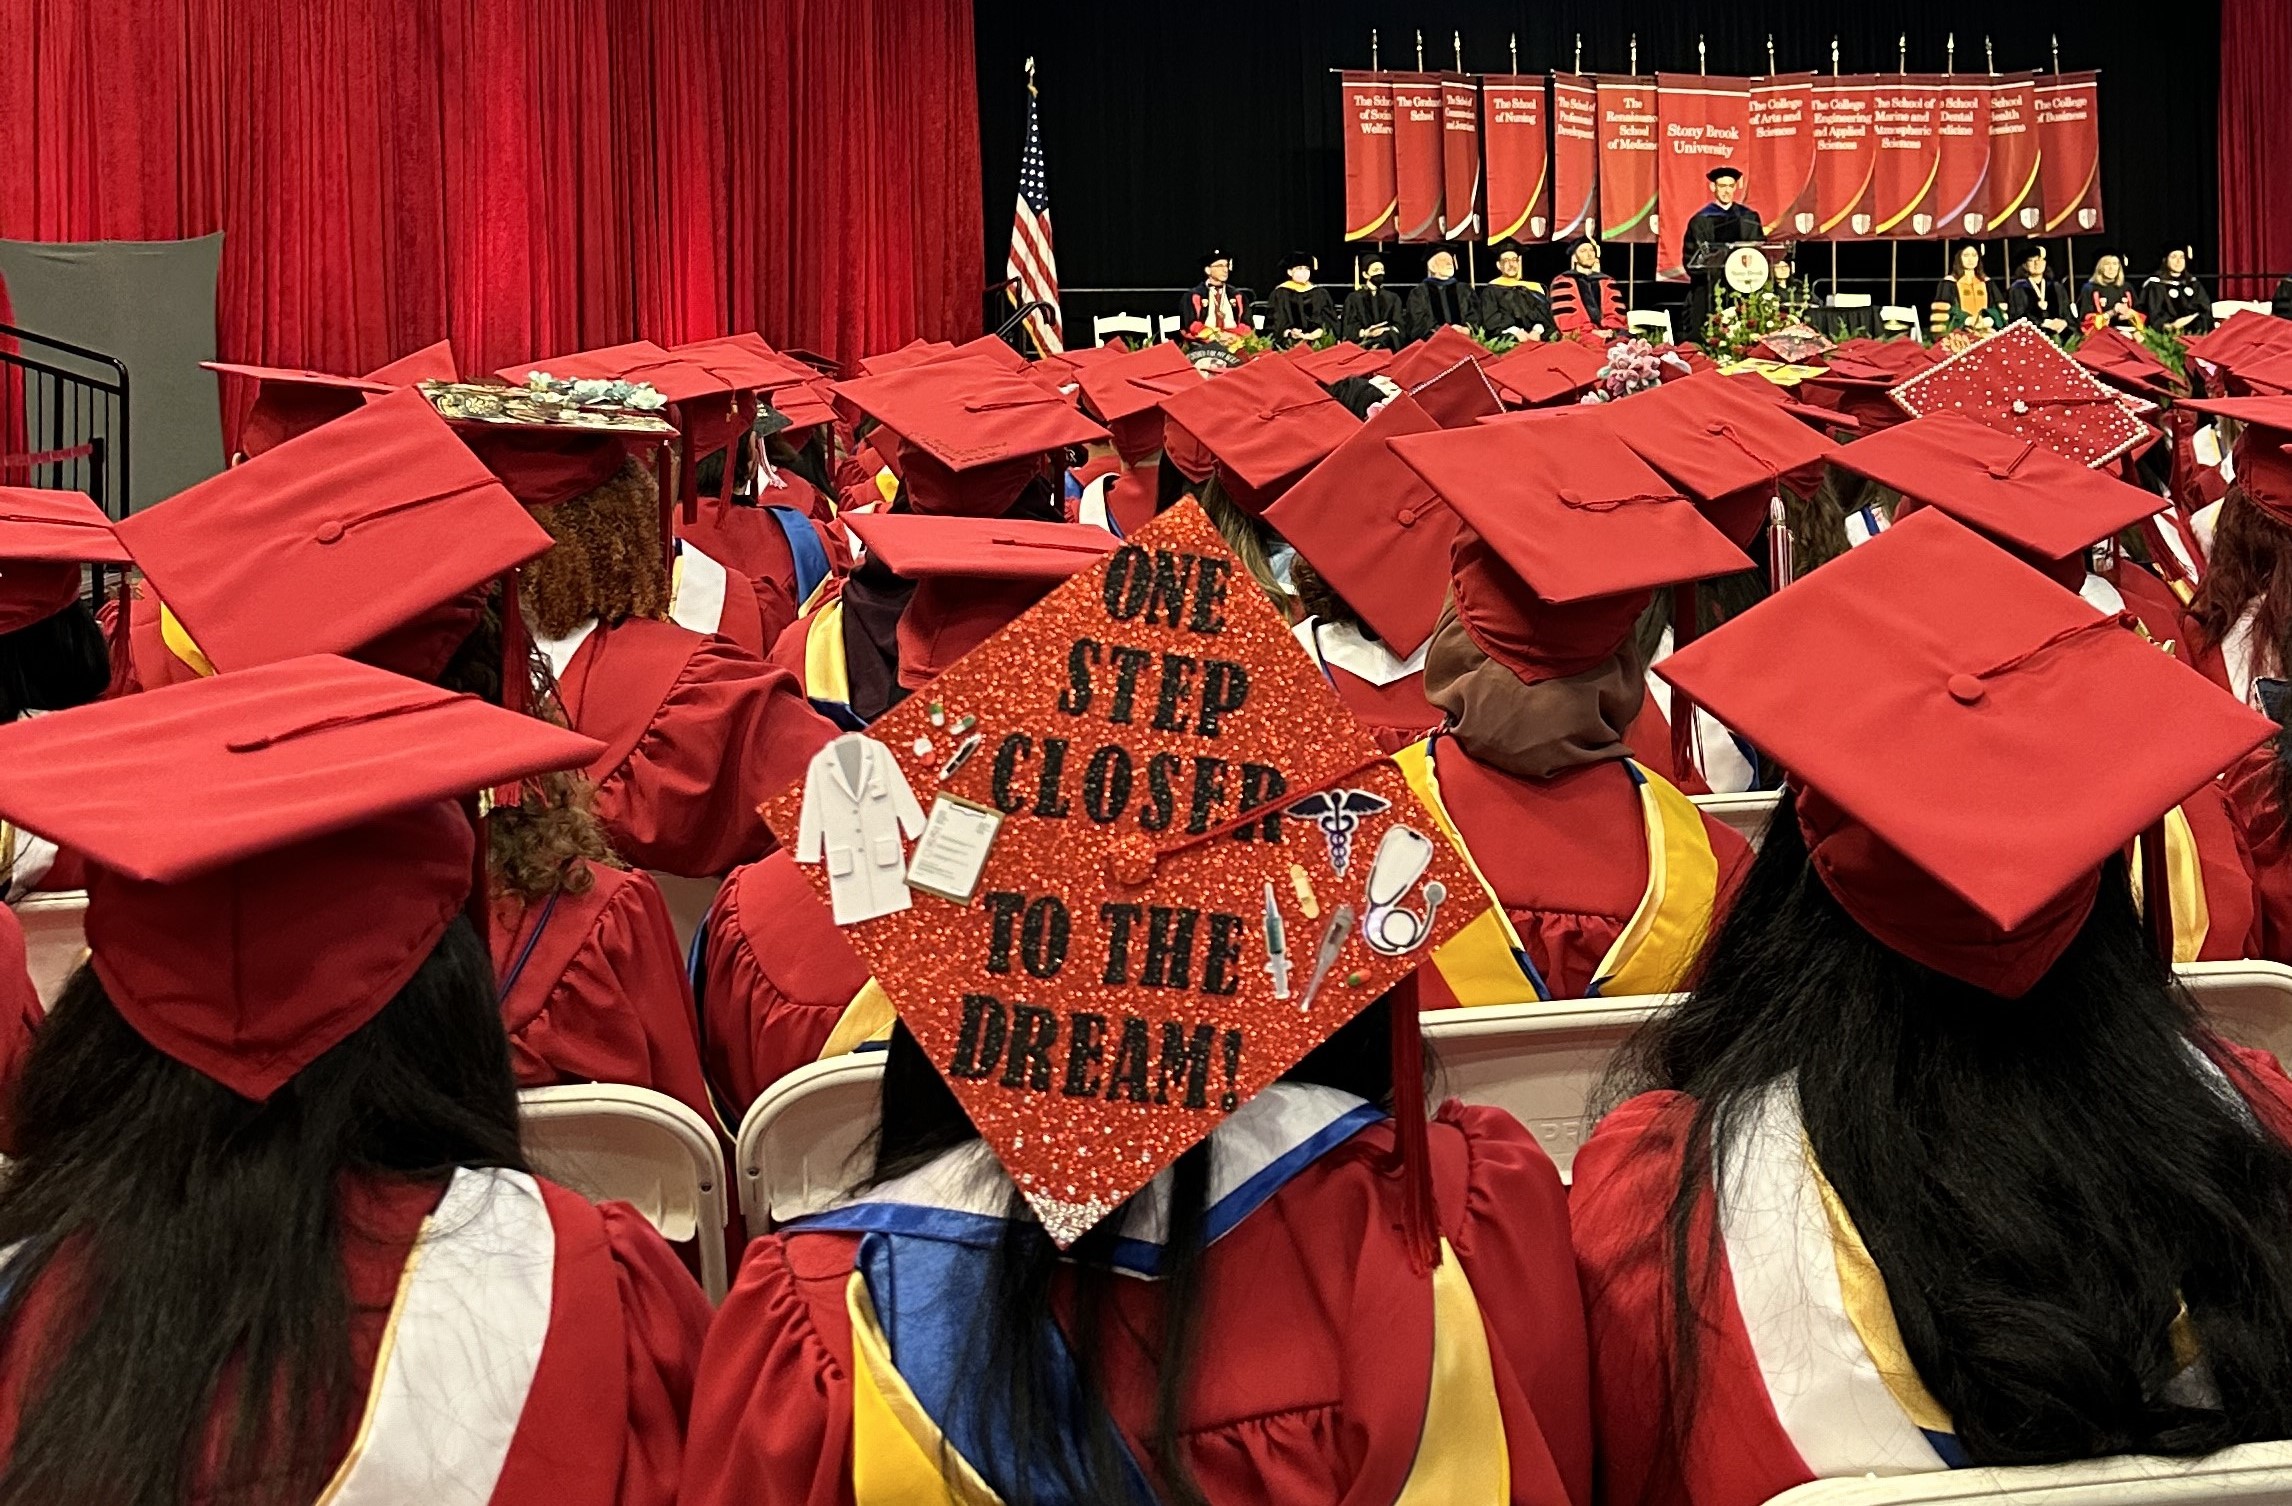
1632, 366
598, 392
1740, 321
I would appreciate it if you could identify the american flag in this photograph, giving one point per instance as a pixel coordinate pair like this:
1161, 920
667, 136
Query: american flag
1032, 267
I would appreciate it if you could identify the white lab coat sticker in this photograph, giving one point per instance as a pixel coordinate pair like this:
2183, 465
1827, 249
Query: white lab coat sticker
857, 807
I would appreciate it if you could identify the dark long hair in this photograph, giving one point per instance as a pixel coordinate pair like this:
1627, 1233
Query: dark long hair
2249, 565
922, 1120
57, 663
203, 1237
2043, 1180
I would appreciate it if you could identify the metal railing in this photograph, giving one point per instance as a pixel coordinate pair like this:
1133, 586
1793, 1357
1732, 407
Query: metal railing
64, 420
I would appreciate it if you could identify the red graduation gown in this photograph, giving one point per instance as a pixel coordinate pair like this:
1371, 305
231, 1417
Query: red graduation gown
1309, 1384
2259, 814
1736, 1451
776, 975
697, 734
603, 1421
599, 993
1567, 856
2232, 894
20, 1016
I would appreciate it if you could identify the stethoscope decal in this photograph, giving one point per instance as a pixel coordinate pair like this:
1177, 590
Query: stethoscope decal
1338, 814
1402, 857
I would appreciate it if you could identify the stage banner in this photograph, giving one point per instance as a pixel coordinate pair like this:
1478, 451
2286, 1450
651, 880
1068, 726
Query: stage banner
1460, 156
2069, 137
1371, 206
1419, 170
1514, 155
1845, 156
1903, 113
1779, 162
1627, 159
1962, 157
2016, 151
1705, 123
1575, 156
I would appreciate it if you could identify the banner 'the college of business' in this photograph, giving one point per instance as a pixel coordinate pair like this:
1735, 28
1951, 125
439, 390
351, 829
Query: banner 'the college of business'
1371, 205
2069, 137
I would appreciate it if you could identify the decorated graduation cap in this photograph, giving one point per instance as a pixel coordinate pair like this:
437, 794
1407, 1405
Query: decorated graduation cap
1566, 535
45, 537
1259, 427
1432, 355
290, 401
713, 388
1724, 441
249, 930
971, 575
1154, 862
1970, 746
2263, 448
2044, 507
2019, 383
366, 537
1374, 529
972, 434
1127, 390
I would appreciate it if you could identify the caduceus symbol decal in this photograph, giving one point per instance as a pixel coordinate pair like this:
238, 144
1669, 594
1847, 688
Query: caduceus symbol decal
1338, 814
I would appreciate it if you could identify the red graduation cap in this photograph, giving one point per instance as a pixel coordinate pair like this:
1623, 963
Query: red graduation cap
1434, 354
247, 931
807, 405
2251, 352
2117, 358
1724, 441
290, 401
913, 353
972, 577
2045, 507
1181, 875
363, 537
1334, 363
432, 363
1261, 425
1540, 373
1970, 745
2019, 383
1566, 534
1127, 390
744, 362
2263, 449
1859, 373
971, 433
45, 537
1458, 396
1374, 529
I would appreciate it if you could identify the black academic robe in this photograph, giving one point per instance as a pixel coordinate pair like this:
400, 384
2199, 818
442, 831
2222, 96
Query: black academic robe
2169, 299
2281, 304
1366, 308
1713, 225
1195, 307
2043, 303
1306, 309
2114, 299
1433, 303
1509, 304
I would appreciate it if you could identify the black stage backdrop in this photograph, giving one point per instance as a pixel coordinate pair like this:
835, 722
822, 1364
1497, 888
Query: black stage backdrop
1171, 126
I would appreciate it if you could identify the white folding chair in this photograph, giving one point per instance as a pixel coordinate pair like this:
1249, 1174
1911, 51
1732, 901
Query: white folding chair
1653, 323
1846, 300
633, 1145
1897, 317
2223, 307
55, 939
1540, 1061
1746, 814
1130, 326
1168, 325
806, 1141
2248, 1002
2252, 1474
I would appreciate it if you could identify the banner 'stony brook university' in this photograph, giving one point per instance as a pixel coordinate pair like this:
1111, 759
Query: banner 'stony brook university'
1575, 156
1702, 124
1779, 160
1962, 156
1905, 156
1420, 169
1627, 159
1515, 186
2069, 137
1844, 157
2015, 206
1372, 209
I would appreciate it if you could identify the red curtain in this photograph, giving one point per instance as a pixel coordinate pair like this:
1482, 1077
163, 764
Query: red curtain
2255, 145
526, 176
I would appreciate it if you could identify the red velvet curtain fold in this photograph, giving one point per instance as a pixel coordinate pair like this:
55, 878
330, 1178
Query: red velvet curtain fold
2255, 144
526, 176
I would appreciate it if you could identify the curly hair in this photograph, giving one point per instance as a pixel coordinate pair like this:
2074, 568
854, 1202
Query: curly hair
2250, 565
607, 562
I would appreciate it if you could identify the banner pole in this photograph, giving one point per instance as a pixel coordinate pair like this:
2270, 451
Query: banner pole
1579, 68
1770, 54
1516, 52
1702, 57
1893, 271
1834, 239
1374, 65
1420, 52
1456, 42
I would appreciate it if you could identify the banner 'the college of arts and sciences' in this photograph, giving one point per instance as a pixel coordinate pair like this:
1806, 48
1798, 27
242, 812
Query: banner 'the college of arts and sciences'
1962, 156
1372, 208
1845, 157
1517, 185
1460, 157
1906, 155
1627, 159
1703, 123
1779, 158
2069, 136
1575, 156
1420, 166
2016, 206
